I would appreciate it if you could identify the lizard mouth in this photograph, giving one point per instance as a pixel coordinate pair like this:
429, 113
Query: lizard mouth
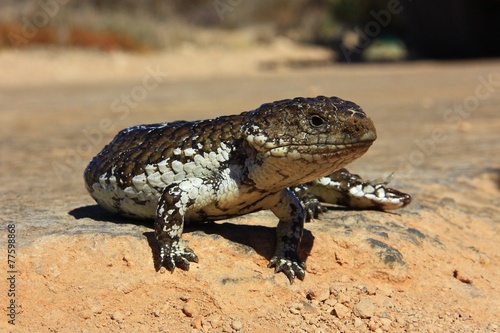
313, 152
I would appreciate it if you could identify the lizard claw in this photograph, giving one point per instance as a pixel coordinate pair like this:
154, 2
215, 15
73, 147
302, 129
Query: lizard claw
313, 209
291, 268
312, 206
176, 256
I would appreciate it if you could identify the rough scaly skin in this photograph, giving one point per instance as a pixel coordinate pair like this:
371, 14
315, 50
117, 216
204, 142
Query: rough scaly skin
350, 190
215, 169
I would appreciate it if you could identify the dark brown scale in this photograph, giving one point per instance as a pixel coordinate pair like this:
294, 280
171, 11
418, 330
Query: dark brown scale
150, 144
169, 151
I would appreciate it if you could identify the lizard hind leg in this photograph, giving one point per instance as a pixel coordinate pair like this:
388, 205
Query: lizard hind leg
350, 190
169, 225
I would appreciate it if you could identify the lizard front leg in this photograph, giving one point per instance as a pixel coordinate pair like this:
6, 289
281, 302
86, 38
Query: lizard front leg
289, 232
169, 224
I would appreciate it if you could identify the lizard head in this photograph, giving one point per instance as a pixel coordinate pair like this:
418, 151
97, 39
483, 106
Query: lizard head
308, 126
328, 131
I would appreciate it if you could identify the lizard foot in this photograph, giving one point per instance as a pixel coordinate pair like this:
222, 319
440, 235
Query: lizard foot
176, 255
312, 206
290, 267
313, 209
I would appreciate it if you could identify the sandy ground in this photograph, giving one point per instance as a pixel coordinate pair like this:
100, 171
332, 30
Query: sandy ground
430, 267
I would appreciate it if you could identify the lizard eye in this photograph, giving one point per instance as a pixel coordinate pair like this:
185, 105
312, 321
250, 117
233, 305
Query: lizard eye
316, 121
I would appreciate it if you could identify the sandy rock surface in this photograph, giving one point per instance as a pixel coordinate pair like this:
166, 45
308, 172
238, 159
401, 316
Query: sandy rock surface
430, 267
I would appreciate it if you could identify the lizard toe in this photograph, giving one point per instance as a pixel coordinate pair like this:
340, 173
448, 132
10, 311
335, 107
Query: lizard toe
177, 256
292, 268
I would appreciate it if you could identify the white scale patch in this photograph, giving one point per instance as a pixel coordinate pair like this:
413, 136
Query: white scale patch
229, 189
368, 189
173, 230
192, 178
368, 192
325, 181
356, 191
380, 192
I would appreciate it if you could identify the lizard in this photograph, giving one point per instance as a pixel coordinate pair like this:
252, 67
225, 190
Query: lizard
275, 157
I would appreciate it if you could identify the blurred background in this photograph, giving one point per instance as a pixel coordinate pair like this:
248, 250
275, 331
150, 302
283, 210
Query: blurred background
75, 72
352, 30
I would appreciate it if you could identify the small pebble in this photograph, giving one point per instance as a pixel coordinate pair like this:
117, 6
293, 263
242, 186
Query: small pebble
97, 309
343, 298
189, 309
236, 325
322, 293
118, 316
331, 302
365, 308
386, 324
341, 311
197, 322
464, 315
401, 320
362, 288
358, 322
372, 325
85, 314
385, 291
371, 290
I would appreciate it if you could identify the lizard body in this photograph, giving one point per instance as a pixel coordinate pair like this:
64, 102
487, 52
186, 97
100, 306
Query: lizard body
215, 169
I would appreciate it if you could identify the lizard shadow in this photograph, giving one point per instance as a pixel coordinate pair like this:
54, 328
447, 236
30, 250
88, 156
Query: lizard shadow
262, 239
99, 214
